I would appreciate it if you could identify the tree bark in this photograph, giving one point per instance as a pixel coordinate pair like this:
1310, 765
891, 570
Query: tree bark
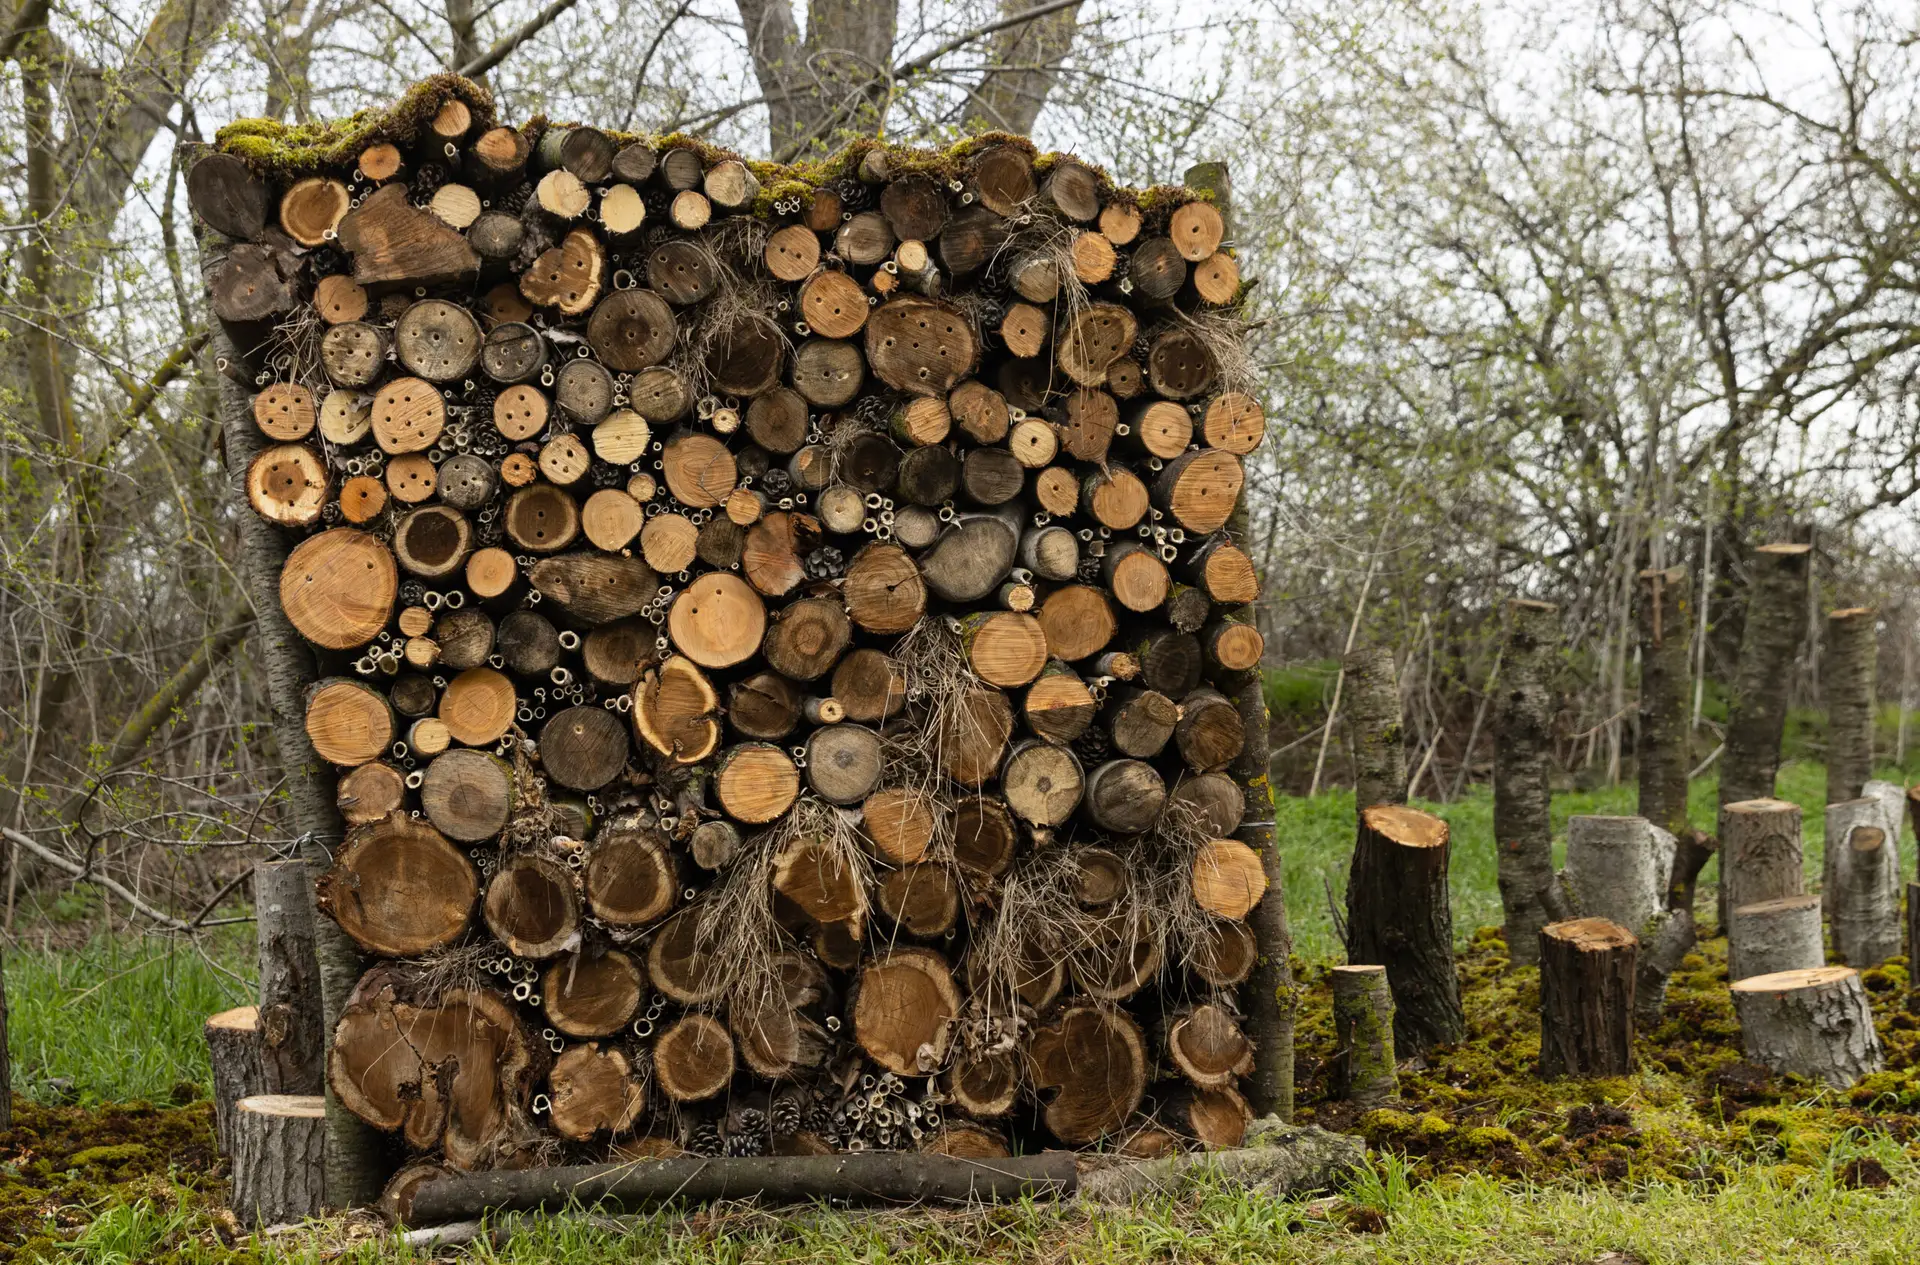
1373, 727
1852, 648
278, 1173
1761, 856
292, 1025
1587, 971
1665, 614
233, 1050
1782, 934
356, 1167
1813, 1023
868, 1178
1862, 896
1398, 916
1522, 822
1757, 712
1365, 1072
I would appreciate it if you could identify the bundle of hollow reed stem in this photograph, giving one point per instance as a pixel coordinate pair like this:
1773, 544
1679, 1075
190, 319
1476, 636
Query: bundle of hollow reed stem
771, 624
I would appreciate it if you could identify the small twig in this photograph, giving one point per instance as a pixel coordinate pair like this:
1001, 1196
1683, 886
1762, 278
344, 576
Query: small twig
1707, 763
99, 880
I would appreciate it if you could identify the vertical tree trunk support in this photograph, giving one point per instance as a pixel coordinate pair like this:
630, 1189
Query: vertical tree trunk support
1398, 917
1365, 1073
292, 1028
1374, 726
1522, 824
1267, 997
1587, 972
1849, 685
354, 1158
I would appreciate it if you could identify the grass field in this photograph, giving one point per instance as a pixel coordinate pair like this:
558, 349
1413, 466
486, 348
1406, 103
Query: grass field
1488, 1176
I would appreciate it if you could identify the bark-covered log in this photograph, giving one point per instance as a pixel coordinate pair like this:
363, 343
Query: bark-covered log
1757, 710
1373, 727
1814, 1023
1365, 1071
1398, 916
233, 1052
279, 1176
1862, 894
1782, 934
1587, 972
292, 1024
1664, 611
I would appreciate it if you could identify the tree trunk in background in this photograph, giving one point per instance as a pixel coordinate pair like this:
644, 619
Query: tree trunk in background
1757, 711
1522, 823
1398, 917
1852, 648
354, 1157
821, 84
1374, 728
1267, 996
1021, 74
1666, 688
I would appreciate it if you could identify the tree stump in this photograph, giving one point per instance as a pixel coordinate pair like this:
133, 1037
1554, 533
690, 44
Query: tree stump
1848, 679
1862, 893
279, 1146
1587, 968
1814, 1023
233, 1047
1770, 936
1614, 870
1761, 856
1365, 1072
1398, 916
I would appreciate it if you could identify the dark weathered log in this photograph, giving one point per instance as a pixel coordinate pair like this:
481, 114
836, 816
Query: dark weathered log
1664, 612
1587, 971
873, 1178
1757, 710
1398, 916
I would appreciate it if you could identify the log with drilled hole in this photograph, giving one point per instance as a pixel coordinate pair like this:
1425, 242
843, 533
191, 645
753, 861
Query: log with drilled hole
786, 639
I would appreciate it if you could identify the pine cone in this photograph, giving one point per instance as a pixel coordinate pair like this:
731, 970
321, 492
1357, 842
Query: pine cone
776, 483
787, 1114
741, 1145
826, 563
1093, 747
705, 1140
855, 195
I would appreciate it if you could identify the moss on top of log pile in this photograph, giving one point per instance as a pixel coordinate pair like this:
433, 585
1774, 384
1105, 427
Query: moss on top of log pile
292, 149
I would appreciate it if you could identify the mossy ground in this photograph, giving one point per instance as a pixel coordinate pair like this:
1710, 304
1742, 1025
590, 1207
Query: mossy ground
1693, 1108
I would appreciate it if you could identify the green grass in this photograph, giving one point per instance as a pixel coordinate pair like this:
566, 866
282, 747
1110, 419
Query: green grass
120, 1018
1756, 1217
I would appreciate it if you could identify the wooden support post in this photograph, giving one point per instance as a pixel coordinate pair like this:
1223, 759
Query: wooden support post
355, 1163
1365, 1072
1587, 971
1814, 1023
292, 1028
1267, 997
1374, 728
1757, 710
1523, 733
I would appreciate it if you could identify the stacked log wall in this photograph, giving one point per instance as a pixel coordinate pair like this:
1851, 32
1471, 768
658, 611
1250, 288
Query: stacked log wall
781, 640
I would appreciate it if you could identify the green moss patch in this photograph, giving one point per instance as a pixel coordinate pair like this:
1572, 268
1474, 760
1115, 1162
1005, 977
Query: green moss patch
1693, 1107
